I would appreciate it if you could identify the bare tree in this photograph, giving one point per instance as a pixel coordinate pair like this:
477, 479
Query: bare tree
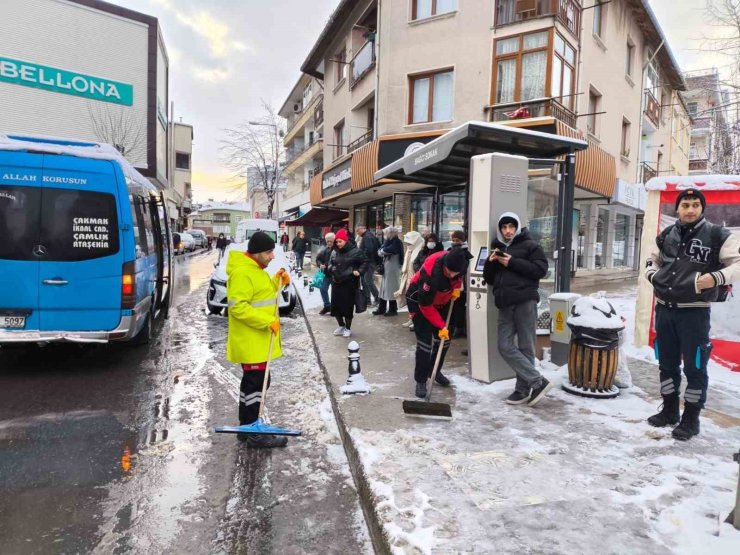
120, 126
254, 150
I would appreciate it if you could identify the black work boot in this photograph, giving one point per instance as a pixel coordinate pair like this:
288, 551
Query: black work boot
689, 426
392, 308
421, 389
264, 441
441, 379
669, 414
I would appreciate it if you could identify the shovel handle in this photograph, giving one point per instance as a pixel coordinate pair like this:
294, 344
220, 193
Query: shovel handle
439, 352
269, 359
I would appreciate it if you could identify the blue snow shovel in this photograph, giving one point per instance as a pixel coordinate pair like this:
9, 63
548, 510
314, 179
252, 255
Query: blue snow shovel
259, 426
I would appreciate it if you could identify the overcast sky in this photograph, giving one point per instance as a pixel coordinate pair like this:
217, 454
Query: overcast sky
226, 55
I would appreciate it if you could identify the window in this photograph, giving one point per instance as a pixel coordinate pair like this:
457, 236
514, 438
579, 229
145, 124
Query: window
563, 72
594, 102
626, 137
628, 59
182, 161
430, 97
339, 139
20, 211
599, 16
693, 108
422, 9
520, 68
340, 64
221, 217
692, 150
307, 94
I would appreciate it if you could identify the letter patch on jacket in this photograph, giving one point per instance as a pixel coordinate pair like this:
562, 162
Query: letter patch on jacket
698, 252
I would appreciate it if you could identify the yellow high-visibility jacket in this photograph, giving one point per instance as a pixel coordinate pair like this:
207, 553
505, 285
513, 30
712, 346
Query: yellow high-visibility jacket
252, 298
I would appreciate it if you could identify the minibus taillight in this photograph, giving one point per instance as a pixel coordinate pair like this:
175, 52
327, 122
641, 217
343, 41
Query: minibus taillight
128, 285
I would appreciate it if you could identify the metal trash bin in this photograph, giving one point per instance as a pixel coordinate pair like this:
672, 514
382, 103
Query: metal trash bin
594, 348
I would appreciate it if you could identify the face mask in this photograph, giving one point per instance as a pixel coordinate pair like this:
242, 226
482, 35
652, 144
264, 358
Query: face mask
431, 245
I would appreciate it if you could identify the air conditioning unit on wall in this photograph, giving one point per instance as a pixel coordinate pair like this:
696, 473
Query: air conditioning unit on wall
297, 109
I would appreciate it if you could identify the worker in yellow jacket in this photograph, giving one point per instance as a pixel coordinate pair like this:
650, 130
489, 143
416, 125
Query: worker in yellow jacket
253, 318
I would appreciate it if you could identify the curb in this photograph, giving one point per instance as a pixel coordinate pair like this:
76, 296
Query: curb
378, 536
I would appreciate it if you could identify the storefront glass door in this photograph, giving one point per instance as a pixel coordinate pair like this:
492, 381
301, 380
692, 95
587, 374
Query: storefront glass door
452, 210
412, 211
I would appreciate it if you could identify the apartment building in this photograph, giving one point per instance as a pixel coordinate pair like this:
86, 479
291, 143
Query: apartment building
303, 111
400, 73
219, 217
711, 148
180, 195
256, 195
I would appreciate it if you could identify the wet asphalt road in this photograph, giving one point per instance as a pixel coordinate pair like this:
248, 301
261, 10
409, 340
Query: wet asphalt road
109, 449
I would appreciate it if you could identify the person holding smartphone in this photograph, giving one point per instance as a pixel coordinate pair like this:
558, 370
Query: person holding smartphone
514, 269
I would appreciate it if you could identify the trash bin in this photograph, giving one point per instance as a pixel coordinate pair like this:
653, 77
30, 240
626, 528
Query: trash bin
594, 348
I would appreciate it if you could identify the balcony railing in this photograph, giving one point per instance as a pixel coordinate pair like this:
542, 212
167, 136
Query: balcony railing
299, 115
701, 124
648, 172
362, 63
532, 109
291, 155
698, 164
360, 141
568, 12
652, 108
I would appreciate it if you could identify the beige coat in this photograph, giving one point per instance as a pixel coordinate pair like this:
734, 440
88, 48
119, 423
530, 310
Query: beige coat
413, 243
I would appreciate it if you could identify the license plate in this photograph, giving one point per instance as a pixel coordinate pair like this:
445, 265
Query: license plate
17, 322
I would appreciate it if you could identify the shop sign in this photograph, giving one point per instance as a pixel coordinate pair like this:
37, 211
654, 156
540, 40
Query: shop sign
62, 81
395, 149
338, 179
630, 194
303, 209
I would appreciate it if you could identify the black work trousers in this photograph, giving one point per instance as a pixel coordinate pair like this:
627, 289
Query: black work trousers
683, 333
427, 347
250, 395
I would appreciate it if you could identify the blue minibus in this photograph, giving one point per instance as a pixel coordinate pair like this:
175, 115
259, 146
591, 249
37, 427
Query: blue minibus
85, 244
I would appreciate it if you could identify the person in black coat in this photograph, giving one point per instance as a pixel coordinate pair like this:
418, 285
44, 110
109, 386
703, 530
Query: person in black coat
514, 269
431, 246
346, 266
300, 246
459, 240
322, 261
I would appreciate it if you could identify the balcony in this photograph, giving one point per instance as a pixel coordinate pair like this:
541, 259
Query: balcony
316, 171
701, 126
296, 158
567, 12
652, 109
360, 142
698, 165
532, 109
301, 120
648, 172
362, 63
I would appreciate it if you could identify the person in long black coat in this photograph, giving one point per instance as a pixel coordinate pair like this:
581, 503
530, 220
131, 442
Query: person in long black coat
346, 266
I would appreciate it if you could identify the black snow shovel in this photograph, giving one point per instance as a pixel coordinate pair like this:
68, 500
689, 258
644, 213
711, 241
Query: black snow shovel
425, 408
259, 426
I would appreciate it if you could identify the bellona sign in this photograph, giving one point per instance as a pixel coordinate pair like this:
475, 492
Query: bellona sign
66, 82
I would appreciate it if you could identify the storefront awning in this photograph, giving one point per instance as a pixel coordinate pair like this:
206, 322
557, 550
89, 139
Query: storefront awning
446, 160
320, 217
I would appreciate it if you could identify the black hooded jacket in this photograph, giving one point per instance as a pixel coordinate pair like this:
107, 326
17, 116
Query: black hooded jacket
518, 282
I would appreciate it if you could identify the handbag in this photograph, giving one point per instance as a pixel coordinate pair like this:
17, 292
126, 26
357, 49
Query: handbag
360, 301
318, 279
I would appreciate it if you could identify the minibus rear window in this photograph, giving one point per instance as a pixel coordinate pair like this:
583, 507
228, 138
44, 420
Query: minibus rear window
19, 222
78, 225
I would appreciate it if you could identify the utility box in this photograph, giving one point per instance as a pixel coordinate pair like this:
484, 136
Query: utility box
560, 305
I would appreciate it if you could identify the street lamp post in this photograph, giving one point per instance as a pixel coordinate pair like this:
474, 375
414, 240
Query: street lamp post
277, 161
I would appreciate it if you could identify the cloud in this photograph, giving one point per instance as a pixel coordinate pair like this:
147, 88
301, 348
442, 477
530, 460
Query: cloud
216, 33
210, 75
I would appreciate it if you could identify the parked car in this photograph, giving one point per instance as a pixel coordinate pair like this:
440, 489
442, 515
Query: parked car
188, 241
200, 237
177, 244
216, 296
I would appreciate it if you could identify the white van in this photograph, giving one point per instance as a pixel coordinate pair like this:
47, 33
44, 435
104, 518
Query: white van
248, 227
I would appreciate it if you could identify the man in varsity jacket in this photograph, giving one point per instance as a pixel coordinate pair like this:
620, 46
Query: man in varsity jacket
688, 267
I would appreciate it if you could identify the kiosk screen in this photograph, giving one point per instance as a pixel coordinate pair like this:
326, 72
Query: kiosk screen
482, 257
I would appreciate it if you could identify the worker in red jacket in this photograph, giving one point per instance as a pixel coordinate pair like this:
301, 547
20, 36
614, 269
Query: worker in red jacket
430, 291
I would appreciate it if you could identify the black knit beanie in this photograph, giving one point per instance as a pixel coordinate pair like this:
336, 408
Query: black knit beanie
456, 261
260, 242
508, 220
692, 193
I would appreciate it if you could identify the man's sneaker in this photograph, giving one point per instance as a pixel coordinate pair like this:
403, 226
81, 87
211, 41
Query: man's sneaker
421, 389
325, 310
540, 392
339, 330
517, 398
264, 441
347, 333
441, 379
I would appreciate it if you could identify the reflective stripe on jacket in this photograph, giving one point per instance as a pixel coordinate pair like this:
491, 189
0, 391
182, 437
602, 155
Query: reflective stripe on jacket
252, 295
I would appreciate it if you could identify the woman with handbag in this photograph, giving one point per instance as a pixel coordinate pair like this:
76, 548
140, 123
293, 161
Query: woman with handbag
322, 261
346, 265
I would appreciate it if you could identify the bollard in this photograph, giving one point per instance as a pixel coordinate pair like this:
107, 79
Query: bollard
356, 381
305, 281
734, 517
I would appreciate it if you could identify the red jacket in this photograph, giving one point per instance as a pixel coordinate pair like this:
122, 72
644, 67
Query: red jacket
431, 290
